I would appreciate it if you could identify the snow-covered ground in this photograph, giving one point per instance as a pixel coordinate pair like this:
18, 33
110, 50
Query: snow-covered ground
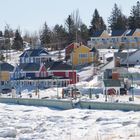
19, 122
41, 123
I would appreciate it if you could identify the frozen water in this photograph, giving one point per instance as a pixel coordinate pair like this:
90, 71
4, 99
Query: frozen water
19, 122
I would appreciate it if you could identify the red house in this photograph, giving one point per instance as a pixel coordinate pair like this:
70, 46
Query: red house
64, 71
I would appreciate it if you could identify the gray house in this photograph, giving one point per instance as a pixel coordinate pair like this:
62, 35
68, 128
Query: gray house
127, 58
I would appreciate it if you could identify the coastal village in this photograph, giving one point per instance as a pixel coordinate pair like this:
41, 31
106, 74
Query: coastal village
69, 73
116, 69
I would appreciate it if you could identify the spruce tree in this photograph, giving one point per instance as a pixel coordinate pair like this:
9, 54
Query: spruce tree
60, 36
70, 29
97, 23
84, 33
134, 18
117, 21
45, 36
18, 41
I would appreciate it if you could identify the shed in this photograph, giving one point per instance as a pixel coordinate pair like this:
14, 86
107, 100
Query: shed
111, 84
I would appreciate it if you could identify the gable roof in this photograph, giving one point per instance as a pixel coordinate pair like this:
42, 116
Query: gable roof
112, 83
59, 65
130, 32
97, 33
118, 32
6, 67
123, 55
34, 52
48, 64
29, 67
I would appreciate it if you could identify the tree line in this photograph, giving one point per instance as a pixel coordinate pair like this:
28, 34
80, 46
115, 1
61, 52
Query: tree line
73, 30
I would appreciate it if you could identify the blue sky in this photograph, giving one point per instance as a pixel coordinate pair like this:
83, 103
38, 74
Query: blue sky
31, 14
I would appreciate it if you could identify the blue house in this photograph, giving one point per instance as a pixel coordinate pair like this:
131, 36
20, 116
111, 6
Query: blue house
37, 55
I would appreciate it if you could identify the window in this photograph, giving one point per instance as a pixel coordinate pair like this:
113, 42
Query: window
32, 60
83, 55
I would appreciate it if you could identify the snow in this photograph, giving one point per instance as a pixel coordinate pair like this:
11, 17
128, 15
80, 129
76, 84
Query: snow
22, 122
13, 57
135, 69
18, 122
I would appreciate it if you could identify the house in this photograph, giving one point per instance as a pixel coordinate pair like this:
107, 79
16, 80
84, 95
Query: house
99, 39
133, 38
127, 58
37, 69
64, 71
36, 55
44, 75
111, 87
128, 38
79, 54
5, 71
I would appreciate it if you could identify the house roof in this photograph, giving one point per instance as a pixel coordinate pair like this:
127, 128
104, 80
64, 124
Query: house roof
118, 32
34, 52
112, 83
59, 65
48, 64
97, 33
6, 67
123, 55
130, 32
29, 67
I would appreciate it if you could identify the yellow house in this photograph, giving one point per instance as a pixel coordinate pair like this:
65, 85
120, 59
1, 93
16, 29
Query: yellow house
133, 37
5, 70
81, 54
129, 38
98, 39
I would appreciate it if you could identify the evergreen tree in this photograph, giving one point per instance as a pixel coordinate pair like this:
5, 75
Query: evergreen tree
70, 28
8, 33
60, 36
134, 18
7, 44
45, 35
1, 34
18, 41
97, 23
84, 33
117, 21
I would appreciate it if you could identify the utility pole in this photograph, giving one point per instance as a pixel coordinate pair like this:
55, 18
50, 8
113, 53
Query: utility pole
127, 43
132, 88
